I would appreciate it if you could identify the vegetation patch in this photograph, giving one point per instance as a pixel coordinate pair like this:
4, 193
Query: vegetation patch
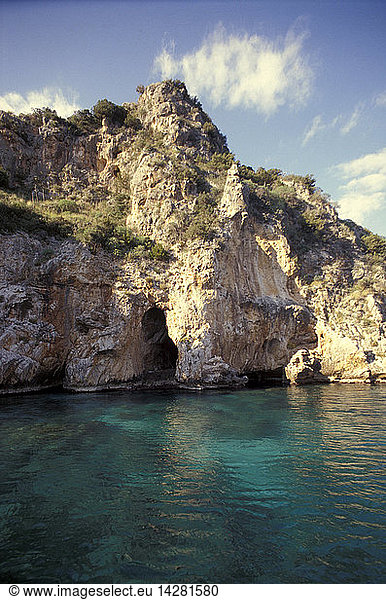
193, 174
307, 181
18, 215
261, 176
105, 109
204, 218
84, 122
314, 220
99, 226
375, 245
219, 162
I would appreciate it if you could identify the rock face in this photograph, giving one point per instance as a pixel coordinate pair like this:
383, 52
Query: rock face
240, 301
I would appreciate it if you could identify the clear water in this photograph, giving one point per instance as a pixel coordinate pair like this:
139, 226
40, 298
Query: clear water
257, 486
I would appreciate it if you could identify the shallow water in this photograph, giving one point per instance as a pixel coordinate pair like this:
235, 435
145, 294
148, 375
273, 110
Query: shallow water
255, 486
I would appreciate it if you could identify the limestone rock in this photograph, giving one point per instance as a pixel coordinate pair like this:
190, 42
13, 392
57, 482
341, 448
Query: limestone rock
168, 108
267, 286
305, 368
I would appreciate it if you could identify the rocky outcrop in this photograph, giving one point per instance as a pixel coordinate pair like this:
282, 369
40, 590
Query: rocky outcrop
170, 111
227, 304
305, 368
62, 323
238, 301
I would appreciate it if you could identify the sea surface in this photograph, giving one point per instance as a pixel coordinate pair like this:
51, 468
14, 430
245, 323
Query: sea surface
280, 485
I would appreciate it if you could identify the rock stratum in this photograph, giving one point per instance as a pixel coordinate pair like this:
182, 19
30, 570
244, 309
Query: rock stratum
259, 280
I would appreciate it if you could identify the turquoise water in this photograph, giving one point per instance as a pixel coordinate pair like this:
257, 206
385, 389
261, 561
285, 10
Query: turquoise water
255, 486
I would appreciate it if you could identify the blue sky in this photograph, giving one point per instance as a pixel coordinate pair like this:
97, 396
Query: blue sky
298, 85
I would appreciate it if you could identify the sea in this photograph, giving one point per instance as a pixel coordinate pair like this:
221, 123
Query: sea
278, 485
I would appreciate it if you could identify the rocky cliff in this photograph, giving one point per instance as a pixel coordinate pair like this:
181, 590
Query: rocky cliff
216, 275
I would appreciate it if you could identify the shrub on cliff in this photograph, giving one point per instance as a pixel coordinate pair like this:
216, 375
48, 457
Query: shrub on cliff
209, 128
114, 113
158, 252
307, 181
193, 174
132, 122
314, 220
261, 176
99, 226
83, 121
41, 116
66, 205
203, 218
267, 177
375, 244
220, 161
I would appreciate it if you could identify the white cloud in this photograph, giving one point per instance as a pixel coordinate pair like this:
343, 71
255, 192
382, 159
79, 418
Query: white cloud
345, 124
48, 97
370, 163
353, 120
380, 100
365, 189
244, 71
316, 126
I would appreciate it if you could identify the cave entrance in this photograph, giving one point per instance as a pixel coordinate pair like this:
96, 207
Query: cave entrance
271, 378
161, 354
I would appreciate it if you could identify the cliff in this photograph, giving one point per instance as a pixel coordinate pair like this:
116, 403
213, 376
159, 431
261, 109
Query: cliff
141, 254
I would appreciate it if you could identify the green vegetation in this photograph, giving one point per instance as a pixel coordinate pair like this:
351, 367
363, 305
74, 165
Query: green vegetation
375, 245
98, 225
40, 116
83, 121
18, 215
203, 219
132, 122
89, 121
303, 232
209, 129
308, 181
197, 103
261, 176
193, 174
66, 205
272, 177
147, 141
219, 162
114, 113
314, 220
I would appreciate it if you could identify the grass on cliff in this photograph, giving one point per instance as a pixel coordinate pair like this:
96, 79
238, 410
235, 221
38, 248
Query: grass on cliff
99, 225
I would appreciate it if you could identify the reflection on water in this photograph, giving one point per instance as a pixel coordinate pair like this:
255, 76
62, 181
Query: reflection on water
256, 486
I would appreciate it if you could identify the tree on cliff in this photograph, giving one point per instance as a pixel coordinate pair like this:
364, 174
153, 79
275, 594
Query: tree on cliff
112, 112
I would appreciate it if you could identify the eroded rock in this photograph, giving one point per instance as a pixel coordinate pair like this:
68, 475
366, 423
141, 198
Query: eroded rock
305, 368
241, 299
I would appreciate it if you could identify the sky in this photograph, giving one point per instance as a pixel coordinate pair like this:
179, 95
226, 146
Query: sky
298, 85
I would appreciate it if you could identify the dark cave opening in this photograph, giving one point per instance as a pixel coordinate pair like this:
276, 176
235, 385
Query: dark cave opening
161, 353
271, 378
